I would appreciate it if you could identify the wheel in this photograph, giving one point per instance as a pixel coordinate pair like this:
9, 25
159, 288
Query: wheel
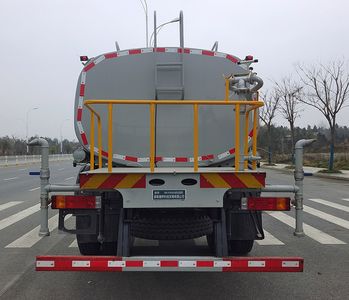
240, 247
109, 248
89, 248
171, 227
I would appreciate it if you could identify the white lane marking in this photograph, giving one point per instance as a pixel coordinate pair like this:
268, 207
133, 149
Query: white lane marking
19, 216
327, 217
331, 204
201, 241
12, 178
9, 204
269, 239
345, 199
34, 189
313, 233
74, 244
69, 178
23, 169
145, 243
61, 169
32, 237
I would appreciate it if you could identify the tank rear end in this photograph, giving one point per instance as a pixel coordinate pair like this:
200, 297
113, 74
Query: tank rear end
162, 74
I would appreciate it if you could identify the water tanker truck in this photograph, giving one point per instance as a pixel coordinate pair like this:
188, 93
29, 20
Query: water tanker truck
168, 152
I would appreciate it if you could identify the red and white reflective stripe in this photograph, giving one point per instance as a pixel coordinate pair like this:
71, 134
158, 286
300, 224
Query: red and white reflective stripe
112, 263
180, 159
90, 65
160, 158
226, 153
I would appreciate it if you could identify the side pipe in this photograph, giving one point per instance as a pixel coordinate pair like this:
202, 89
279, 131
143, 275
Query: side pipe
280, 188
44, 181
299, 176
241, 86
61, 188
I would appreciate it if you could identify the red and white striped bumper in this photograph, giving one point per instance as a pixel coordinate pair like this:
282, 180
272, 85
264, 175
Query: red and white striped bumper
169, 264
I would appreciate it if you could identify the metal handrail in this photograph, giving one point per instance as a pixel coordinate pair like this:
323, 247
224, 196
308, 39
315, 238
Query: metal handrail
253, 106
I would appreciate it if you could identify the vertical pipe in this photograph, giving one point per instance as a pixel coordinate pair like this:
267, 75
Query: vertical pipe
181, 30
254, 137
155, 35
99, 143
152, 137
92, 141
196, 137
247, 116
226, 89
237, 137
44, 181
299, 176
110, 137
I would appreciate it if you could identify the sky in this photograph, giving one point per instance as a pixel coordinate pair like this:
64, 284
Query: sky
41, 41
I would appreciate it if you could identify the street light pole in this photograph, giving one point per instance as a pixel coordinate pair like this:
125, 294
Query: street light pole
158, 28
145, 8
27, 125
61, 136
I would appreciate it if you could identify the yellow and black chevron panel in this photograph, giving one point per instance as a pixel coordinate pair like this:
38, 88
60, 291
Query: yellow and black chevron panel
232, 180
112, 181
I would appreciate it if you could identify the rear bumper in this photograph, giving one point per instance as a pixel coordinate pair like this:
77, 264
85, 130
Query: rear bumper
206, 188
169, 264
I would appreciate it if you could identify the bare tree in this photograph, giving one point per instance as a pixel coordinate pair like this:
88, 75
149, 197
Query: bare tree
289, 93
327, 91
267, 114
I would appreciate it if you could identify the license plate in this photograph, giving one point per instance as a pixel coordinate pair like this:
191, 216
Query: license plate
169, 195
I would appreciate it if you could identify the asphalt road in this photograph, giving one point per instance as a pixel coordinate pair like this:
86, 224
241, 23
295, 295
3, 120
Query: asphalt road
325, 250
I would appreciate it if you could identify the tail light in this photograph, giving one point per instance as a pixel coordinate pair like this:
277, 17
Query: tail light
79, 202
266, 203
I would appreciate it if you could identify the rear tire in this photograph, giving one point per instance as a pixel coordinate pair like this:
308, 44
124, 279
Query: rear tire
90, 248
240, 247
109, 248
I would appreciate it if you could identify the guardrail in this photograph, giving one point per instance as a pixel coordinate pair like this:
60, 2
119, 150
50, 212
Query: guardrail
247, 104
12, 160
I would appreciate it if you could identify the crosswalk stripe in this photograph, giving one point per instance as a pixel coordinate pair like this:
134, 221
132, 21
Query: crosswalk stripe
32, 237
331, 204
201, 241
74, 244
313, 233
9, 204
327, 217
269, 239
19, 216
145, 243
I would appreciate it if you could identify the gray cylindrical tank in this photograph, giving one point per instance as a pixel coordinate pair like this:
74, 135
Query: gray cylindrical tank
163, 73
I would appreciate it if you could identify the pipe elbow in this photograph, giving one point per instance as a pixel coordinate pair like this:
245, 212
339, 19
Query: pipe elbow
258, 80
303, 143
38, 142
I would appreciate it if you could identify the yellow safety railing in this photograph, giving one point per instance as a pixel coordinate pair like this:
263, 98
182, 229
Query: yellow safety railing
250, 106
